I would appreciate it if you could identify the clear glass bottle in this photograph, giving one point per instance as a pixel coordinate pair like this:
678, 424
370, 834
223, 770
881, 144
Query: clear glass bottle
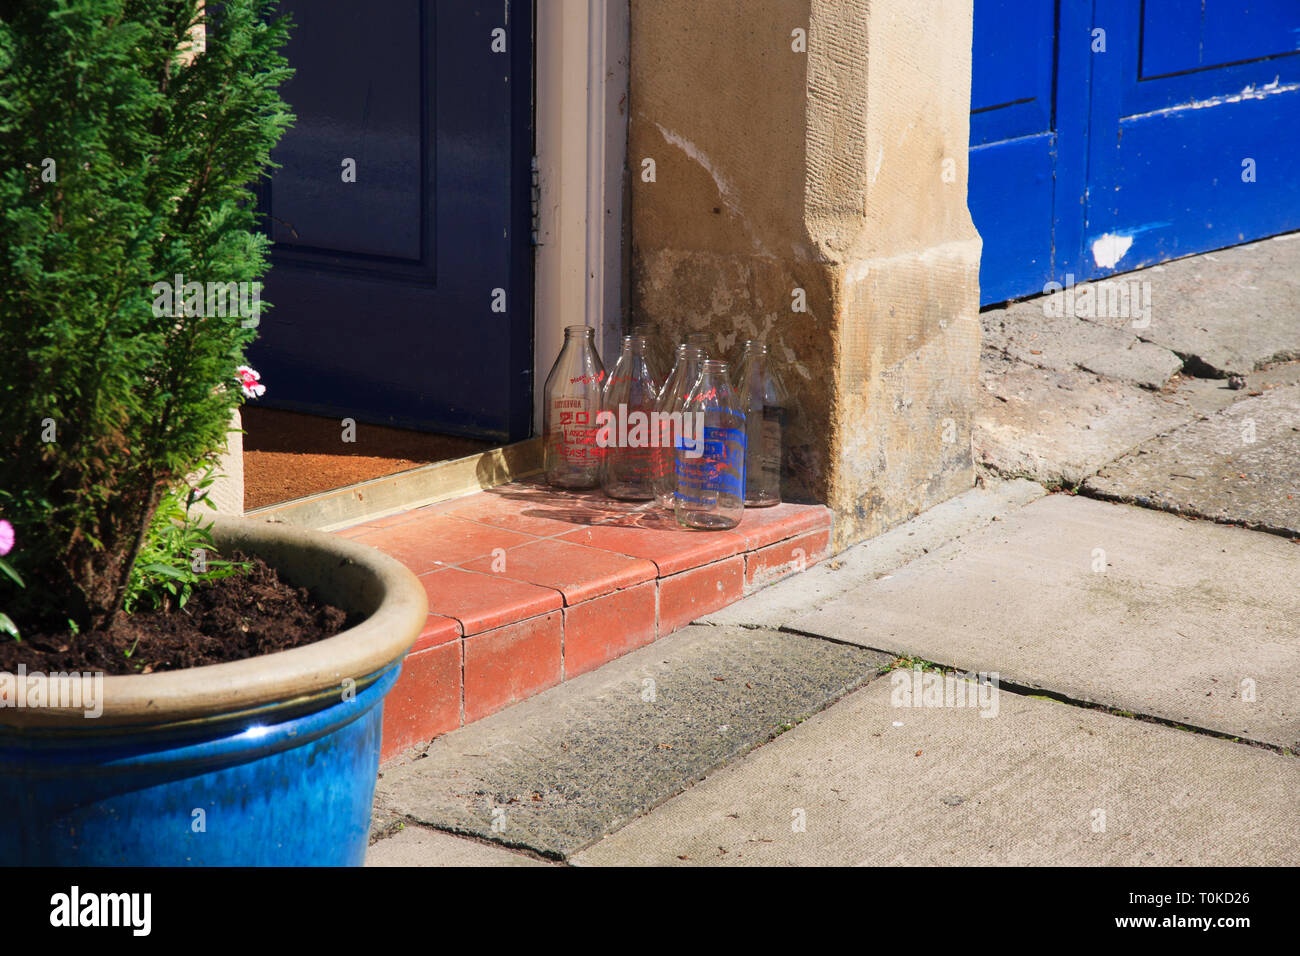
672, 398
701, 341
711, 472
763, 400
572, 397
655, 356
631, 394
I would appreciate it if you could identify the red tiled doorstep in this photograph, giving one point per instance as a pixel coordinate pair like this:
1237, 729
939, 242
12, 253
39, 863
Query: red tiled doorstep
599, 630
425, 701
670, 547
481, 602
784, 558
433, 542
537, 514
692, 594
551, 584
763, 526
577, 572
511, 663
437, 630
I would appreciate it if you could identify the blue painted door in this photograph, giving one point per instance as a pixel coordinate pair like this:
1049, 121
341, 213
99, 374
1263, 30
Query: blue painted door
1111, 134
401, 273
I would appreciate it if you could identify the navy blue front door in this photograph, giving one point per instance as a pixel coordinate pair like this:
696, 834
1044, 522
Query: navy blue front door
1111, 134
401, 273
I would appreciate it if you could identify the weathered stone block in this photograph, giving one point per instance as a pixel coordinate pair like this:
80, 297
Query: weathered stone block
814, 196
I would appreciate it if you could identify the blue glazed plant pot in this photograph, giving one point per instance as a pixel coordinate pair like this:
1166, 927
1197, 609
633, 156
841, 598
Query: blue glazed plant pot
266, 761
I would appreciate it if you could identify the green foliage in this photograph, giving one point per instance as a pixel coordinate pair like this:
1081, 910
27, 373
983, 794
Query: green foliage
177, 553
7, 625
127, 156
8, 576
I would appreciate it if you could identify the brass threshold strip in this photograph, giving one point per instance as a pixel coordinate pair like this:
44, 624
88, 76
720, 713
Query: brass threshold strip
390, 494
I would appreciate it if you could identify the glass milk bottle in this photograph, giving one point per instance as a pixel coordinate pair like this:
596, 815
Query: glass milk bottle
764, 400
631, 394
711, 462
572, 401
701, 341
669, 434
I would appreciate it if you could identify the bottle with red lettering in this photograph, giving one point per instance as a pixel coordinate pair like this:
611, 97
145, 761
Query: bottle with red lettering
572, 398
631, 393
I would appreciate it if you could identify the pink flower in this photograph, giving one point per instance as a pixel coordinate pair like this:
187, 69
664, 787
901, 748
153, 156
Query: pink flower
249, 382
6, 538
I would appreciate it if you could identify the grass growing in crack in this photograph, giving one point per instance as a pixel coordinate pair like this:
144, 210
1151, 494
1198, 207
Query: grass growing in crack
787, 725
914, 663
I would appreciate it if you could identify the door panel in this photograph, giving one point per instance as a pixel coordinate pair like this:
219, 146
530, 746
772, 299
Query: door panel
1147, 140
1178, 36
1012, 137
1173, 126
383, 289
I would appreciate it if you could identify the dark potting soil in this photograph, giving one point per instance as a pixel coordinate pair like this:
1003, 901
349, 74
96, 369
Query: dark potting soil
231, 619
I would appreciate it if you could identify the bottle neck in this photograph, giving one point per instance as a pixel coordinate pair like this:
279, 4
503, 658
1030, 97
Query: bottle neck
713, 370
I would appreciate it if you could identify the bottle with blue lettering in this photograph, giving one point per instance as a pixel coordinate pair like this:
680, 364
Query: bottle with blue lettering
711, 454
669, 427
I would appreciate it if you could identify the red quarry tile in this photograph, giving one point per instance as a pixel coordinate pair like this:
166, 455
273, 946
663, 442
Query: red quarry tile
656, 536
785, 558
693, 594
425, 701
580, 573
437, 630
593, 499
535, 482
607, 627
511, 663
542, 515
481, 602
764, 526
429, 543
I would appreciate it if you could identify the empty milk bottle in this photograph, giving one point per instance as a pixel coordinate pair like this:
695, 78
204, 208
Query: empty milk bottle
763, 399
631, 394
670, 424
572, 402
711, 462
701, 341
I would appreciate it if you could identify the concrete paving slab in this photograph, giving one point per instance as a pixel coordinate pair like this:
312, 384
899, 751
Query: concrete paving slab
1042, 783
1240, 466
1185, 620
774, 606
420, 846
1224, 312
1025, 332
1061, 427
560, 770
1208, 395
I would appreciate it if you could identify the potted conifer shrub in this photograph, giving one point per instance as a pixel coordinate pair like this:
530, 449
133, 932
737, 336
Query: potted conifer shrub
173, 690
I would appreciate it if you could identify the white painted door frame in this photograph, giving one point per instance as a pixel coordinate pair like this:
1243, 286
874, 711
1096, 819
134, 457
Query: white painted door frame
581, 115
